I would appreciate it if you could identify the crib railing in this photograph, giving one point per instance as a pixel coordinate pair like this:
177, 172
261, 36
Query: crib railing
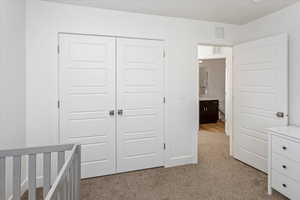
66, 185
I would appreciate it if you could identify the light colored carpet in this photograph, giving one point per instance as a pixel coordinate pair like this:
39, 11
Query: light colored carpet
216, 177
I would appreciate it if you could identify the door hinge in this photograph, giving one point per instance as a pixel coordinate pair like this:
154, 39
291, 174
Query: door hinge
164, 99
164, 54
58, 104
58, 49
164, 146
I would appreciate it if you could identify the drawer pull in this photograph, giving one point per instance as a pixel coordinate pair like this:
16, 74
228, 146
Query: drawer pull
284, 166
284, 185
284, 148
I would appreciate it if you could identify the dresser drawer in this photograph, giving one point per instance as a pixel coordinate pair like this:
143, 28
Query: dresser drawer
286, 148
286, 166
285, 185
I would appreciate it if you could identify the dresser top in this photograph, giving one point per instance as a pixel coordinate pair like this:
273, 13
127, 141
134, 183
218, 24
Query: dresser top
288, 131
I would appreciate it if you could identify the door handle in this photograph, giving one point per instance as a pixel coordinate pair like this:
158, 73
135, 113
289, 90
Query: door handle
280, 114
284, 148
284, 166
111, 113
120, 112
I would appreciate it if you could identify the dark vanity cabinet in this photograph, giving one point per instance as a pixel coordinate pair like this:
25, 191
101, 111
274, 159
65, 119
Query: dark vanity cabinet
209, 111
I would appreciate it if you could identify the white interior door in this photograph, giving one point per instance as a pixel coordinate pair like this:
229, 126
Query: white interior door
140, 104
87, 94
260, 96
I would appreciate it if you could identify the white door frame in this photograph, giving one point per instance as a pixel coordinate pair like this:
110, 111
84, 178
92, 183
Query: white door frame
116, 37
228, 91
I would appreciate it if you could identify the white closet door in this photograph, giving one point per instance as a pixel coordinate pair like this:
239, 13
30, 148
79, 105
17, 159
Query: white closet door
260, 84
87, 94
140, 97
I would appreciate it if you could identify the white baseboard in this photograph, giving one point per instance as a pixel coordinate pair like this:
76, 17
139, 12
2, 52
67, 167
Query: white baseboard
181, 160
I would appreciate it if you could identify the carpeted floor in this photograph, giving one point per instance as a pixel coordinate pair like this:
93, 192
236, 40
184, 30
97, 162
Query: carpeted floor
216, 177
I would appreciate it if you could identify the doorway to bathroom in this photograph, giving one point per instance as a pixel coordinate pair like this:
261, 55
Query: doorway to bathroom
215, 92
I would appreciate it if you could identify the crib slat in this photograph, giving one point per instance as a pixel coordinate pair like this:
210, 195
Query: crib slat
61, 195
61, 160
76, 181
32, 176
78, 172
46, 173
2, 178
60, 190
16, 177
55, 196
73, 180
70, 183
65, 188
60, 163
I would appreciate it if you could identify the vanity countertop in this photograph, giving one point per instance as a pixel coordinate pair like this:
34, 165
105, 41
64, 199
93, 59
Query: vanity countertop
289, 131
207, 98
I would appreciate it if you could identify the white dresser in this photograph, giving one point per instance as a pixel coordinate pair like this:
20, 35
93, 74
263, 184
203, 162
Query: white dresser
284, 161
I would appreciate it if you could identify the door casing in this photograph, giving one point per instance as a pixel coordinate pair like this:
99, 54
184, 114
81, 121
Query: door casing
228, 93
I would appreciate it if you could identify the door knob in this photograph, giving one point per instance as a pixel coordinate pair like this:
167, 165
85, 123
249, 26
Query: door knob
284, 148
111, 113
120, 112
280, 114
284, 166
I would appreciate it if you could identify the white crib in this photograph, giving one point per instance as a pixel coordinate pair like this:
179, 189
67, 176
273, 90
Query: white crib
66, 185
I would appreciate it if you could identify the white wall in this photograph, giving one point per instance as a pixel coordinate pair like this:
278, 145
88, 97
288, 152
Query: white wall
12, 77
286, 20
205, 51
46, 19
12, 74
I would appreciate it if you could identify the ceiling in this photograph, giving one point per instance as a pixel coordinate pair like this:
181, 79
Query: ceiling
227, 11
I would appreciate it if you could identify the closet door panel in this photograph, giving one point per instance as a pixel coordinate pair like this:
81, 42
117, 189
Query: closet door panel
87, 94
140, 100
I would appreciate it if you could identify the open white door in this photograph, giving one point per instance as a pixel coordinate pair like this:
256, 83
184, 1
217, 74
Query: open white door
140, 104
260, 96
